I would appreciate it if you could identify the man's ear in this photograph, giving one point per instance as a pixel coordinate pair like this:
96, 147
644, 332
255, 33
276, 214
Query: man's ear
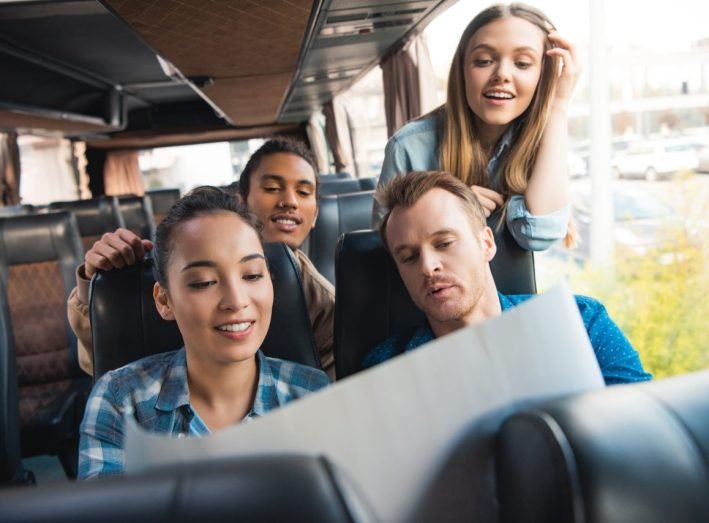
162, 302
487, 239
315, 218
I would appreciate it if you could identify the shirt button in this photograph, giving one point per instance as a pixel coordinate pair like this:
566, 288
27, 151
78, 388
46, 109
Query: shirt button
181, 435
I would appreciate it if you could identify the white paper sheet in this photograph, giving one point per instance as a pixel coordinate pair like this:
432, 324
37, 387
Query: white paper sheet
391, 427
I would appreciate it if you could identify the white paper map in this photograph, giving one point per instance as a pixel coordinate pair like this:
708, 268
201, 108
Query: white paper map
391, 427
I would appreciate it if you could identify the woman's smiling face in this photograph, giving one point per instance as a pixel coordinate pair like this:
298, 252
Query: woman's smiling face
219, 288
502, 67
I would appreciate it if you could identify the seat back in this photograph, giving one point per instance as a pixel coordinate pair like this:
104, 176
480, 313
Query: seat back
367, 184
270, 487
15, 210
337, 215
161, 201
38, 257
616, 455
94, 217
126, 326
338, 186
373, 304
137, 213
11, 470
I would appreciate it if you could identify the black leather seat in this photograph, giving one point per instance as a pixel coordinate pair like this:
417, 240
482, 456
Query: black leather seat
261, 488
94, 217
334, 176
126, 326
16, 210
137, 213
11, 468
338, 214
617, 455
373, 304
38, 257
338, 185
161, 201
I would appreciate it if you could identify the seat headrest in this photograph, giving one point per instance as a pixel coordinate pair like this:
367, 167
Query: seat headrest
338, 214
95, 216
137, 213
616, 455
338, 186
40, 237
373, 304
251, 489
126, 326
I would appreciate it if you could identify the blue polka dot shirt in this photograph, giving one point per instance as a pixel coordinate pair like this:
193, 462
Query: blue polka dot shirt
618, 360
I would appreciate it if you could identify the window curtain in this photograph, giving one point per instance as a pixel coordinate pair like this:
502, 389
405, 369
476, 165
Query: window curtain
409, 84
318, 143
337, 132
121, 174
10, 169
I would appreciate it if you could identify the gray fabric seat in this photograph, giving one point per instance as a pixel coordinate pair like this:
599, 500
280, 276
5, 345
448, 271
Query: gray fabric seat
38, 257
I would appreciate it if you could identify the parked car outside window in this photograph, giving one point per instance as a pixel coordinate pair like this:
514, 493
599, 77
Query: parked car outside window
654, 160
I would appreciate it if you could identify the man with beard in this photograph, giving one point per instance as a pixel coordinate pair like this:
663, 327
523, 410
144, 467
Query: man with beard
436, 232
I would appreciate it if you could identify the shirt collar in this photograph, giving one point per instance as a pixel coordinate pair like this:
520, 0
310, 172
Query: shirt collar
505, 302
266, 391
425, 334
174, 392
493, 164
421, 336
505, 141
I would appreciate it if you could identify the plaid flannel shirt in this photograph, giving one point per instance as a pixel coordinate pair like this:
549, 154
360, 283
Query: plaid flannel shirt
154, 390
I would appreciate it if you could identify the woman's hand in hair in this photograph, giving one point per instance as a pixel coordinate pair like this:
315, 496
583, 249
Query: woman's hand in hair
115, 250
570, 69
489, 199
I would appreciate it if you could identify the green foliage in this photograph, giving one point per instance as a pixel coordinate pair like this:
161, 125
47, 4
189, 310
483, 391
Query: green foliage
662, 308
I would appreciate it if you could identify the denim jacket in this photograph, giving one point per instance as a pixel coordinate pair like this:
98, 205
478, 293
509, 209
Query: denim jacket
414, 147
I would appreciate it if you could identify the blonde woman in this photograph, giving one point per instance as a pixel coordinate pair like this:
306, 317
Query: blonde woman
503, 128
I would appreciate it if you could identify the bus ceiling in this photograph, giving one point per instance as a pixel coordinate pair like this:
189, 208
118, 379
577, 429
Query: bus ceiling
127, 72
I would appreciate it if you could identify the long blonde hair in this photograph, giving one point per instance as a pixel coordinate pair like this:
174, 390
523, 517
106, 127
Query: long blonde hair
461, 151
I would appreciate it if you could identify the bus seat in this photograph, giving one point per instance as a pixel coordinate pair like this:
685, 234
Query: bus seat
161, 201
16, 210
338, 186
38, 257
373, 304
615, 455
94, 217
337, 215
11, 468
126, 326
368, 184
137, 213
285, 487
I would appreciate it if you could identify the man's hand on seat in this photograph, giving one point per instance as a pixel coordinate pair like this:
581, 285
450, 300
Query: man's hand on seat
115, 250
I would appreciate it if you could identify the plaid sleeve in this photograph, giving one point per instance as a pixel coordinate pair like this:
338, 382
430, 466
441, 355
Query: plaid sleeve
101, 443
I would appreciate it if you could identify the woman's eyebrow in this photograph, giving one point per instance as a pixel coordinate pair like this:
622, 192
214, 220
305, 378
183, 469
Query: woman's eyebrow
199, 263
254, 256
211, 264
